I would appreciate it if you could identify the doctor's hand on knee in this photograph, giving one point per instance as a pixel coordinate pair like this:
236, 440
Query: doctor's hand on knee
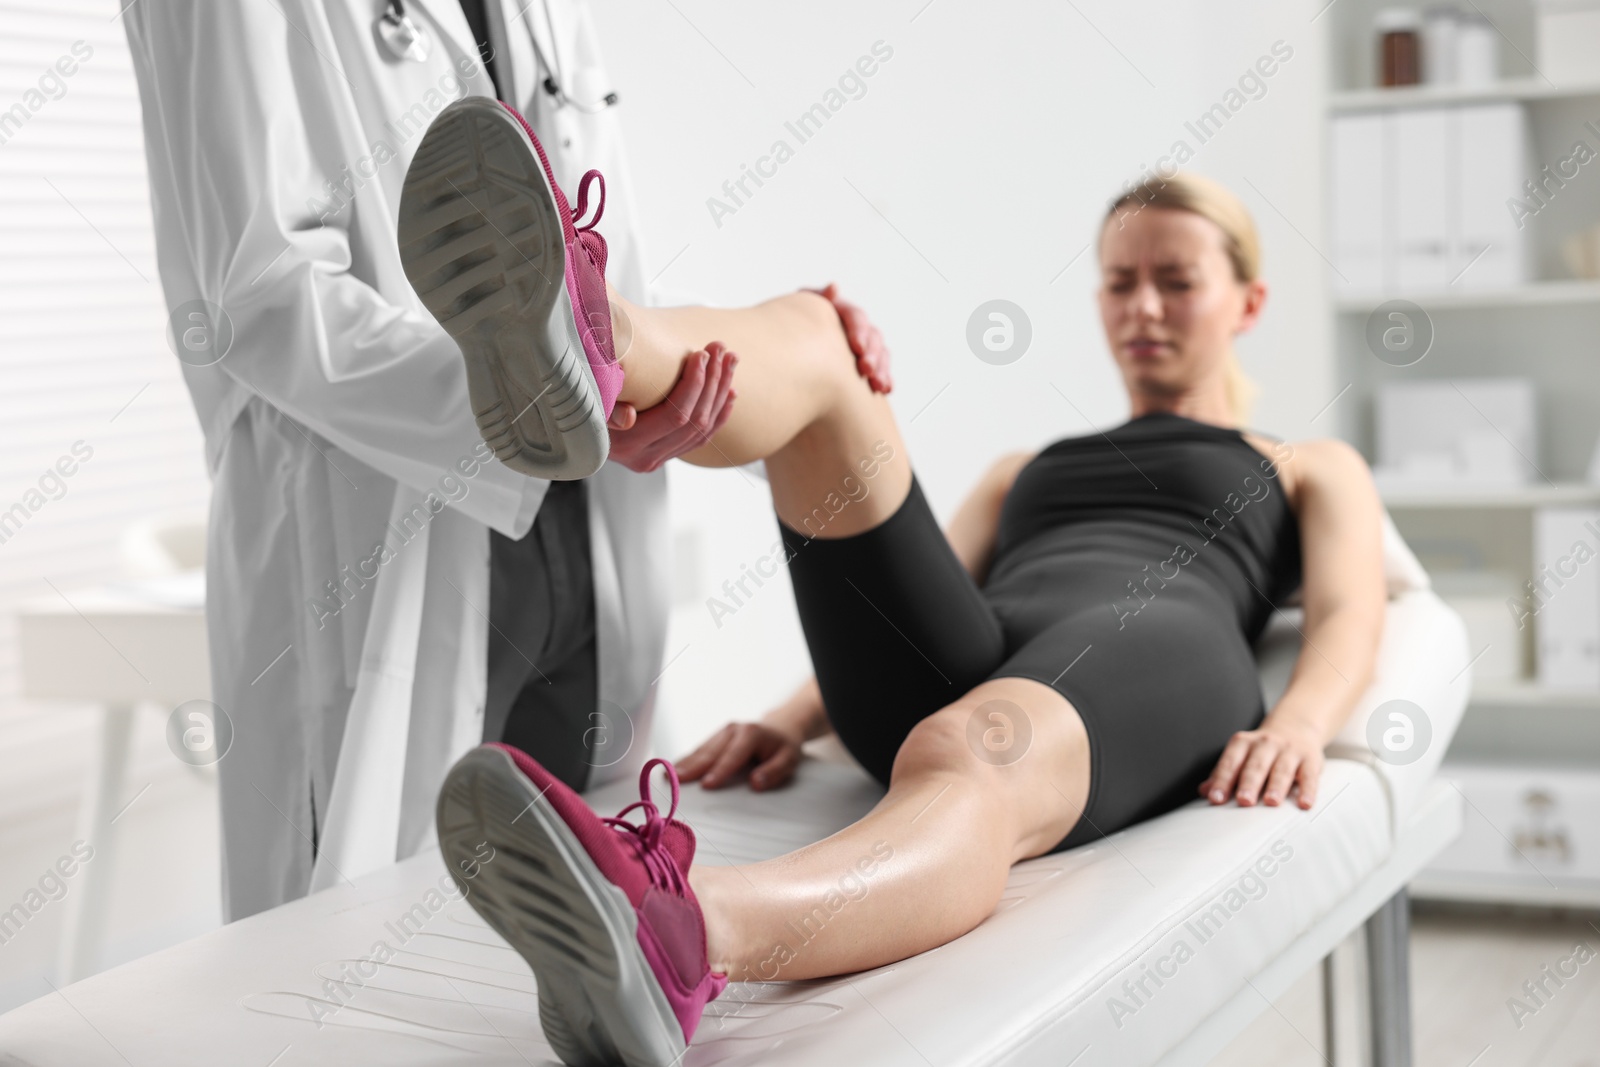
866, 340
687, 418
1268, 764
772, 753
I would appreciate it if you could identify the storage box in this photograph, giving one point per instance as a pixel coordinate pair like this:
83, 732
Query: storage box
1456, 433
1480, 597
1417, 199
1566, 597
1568, 41
1538, 824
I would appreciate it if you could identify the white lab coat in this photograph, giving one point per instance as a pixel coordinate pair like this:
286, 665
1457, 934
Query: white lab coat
338, 420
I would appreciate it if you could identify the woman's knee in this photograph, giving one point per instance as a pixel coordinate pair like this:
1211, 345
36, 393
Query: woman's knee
1011, 728
937, 743
826, 349
818, 313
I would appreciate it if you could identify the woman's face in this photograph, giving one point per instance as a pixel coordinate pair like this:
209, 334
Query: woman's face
1169, 301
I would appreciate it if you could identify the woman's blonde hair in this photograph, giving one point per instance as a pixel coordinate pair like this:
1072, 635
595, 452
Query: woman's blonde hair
1184, 191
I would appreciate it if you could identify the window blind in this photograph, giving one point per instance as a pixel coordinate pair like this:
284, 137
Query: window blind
90, 386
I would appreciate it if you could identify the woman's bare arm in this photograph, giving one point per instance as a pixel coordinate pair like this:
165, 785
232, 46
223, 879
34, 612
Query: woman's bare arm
975, 526
801, 716
1341, 537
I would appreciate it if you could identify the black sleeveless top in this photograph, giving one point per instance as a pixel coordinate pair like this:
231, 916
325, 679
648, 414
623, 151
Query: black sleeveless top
1160, 502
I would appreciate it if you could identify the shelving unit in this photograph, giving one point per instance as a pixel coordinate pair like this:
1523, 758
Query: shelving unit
1530, 694
1546, 329
1529, 294
1527, 891
1525, 88
1518, 497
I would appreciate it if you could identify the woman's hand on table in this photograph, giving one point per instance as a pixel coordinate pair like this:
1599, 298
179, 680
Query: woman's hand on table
771, 754
1267, 764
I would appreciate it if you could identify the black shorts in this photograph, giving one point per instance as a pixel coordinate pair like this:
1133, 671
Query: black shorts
898, 629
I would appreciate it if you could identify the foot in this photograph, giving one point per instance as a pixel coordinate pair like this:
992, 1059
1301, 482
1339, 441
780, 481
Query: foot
494, 251
600, 908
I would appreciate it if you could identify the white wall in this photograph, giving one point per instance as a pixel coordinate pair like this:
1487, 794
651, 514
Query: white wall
976, 165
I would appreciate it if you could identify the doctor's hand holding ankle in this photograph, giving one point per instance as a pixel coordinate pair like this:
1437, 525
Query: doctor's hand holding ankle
690, 415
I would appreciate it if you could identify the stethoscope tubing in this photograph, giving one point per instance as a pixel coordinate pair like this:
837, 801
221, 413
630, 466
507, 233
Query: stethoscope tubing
403, 28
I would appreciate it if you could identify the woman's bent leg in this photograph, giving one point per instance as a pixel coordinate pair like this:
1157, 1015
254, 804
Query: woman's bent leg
929, 862
926, 865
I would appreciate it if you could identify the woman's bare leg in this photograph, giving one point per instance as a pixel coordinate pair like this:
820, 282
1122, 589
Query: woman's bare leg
802, 406
926, 865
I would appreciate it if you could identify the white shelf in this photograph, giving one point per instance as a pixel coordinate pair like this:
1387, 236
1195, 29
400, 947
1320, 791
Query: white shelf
1532, 890
1517, 497
1531, 88
1530, 694
1530, 294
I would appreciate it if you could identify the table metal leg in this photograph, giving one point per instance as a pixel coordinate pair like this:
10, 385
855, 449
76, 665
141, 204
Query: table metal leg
1389, 982
83, 932
1330, 1014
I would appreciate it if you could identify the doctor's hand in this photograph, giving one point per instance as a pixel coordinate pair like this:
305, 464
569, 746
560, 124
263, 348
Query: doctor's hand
866, 340
1266, 764
775, 754
689, 416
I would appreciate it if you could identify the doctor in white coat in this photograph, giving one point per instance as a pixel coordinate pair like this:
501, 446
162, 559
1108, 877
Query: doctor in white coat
349, 557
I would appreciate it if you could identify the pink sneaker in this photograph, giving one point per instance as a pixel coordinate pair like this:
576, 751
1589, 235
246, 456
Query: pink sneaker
489, 243
600, 908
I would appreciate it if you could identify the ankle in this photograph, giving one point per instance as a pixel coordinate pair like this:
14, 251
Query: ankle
647, 376
707, 885
621, 328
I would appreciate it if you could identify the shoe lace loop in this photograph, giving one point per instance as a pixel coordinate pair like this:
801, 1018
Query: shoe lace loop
583, 201
646, 836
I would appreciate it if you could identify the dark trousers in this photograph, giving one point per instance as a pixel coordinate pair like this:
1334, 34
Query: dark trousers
543, 691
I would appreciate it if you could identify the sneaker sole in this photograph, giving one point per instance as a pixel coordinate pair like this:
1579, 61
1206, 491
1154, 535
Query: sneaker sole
481, 243
599, 1001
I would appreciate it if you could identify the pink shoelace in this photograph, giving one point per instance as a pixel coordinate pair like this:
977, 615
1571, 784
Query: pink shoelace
646, 837
586, 234
588, 179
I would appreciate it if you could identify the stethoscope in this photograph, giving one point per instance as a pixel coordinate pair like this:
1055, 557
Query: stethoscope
405, 40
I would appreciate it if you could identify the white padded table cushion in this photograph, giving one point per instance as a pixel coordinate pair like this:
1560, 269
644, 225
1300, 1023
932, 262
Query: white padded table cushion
1071, 929
1119, 949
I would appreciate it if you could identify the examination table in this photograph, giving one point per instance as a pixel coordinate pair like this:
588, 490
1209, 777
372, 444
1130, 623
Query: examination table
1156, 945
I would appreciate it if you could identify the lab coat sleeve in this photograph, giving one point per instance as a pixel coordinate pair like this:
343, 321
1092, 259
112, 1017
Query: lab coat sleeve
249, 114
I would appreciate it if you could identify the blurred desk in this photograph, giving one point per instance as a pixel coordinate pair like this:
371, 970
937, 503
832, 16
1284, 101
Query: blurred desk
119, 646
